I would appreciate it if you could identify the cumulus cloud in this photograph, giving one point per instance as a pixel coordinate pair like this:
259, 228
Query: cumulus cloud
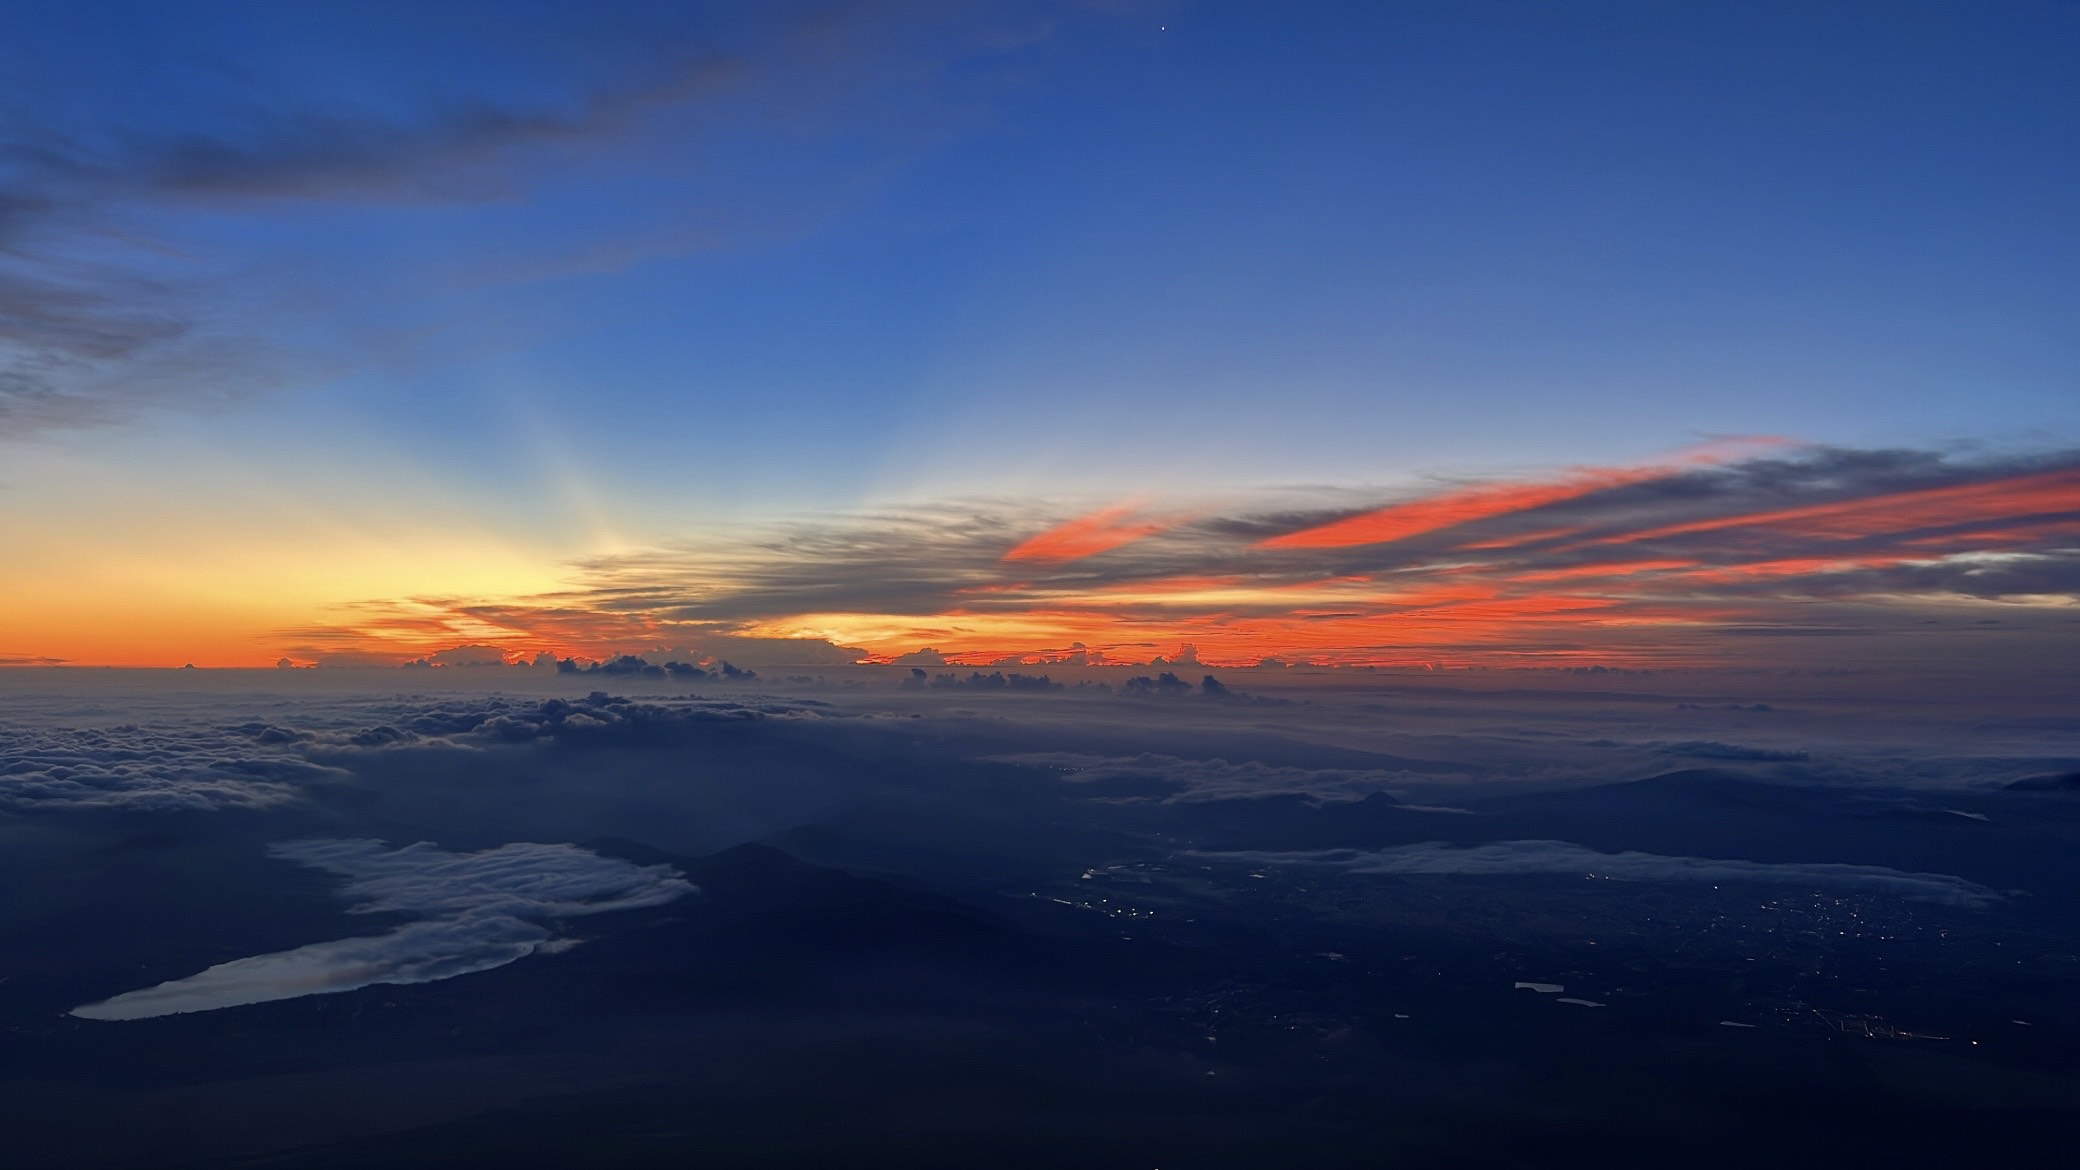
1562, 857
482, 910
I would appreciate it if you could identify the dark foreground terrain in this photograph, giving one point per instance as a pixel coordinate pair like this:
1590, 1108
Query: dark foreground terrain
969, 962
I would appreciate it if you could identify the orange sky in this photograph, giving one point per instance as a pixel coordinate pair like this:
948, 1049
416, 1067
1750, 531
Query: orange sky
1651, 586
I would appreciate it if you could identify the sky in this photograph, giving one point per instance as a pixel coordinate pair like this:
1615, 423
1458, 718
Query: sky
1690, 336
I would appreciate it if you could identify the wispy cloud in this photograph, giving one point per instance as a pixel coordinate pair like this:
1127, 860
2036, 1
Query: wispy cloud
1085, 536
483, 910
119, 292
1470, 505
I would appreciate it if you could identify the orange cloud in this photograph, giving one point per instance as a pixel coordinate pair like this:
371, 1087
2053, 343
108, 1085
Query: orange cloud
1612, 569
1523, 539
1452, 509
1991, 500
1106, 529
1787, 567
923, 583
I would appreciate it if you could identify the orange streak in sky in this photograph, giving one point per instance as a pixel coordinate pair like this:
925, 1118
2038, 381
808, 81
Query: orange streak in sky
1451, 510
1614, 569
1089, 535
2000, 499
1526, 538
1447, 594
1502, 611
1789, 567
1435, 513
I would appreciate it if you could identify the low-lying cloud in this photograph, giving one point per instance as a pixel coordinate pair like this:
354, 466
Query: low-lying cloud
150, 769
483, 910
1189, 781
1562, 857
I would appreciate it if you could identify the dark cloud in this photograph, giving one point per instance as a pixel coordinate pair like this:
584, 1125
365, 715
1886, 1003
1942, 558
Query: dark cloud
85, 342
995, 680
106, 309
331, 153
90, 344
252, 136
924, 657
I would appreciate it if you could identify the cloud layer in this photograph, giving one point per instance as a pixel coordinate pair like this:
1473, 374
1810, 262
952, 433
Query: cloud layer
151, 769
1190, 781
1681, 563
1561, 857
482, 910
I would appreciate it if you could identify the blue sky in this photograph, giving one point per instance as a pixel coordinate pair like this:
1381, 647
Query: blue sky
587, 277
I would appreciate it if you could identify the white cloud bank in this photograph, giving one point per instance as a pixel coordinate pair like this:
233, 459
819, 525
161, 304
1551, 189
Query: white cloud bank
1562, 857
483, 910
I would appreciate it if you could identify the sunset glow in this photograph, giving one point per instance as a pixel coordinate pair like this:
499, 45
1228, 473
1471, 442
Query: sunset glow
1041, 583
480, 403
1105, 588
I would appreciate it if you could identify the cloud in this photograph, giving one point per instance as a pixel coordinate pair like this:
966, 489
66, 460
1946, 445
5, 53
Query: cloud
1687, 566
924, 657
119, 292
466, 656
101, 318
1192, 781
150, 769
1712, 750
1463, 506
245, 133
1451, 510
1561, 857
1087, 536
190, 766
598, 715
92, 343
484, 910
996, 680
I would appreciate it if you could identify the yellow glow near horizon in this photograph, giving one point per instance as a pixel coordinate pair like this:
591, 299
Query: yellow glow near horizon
215, 597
